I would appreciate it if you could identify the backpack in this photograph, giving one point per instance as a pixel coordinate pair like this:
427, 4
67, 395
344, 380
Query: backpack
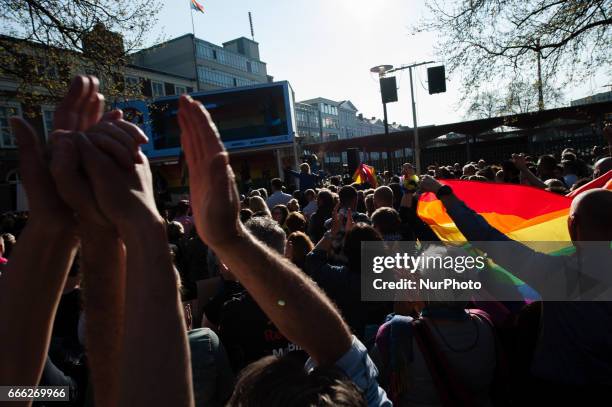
394, 341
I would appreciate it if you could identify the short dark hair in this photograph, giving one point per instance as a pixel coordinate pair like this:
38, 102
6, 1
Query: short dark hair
386, 220
347, 195
361, 232
295, 222
309, 192
384, 194
547, 161
277, 184
279, 382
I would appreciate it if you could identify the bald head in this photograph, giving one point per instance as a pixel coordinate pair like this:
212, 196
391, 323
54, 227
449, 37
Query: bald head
383, 197
590, 216
602, 166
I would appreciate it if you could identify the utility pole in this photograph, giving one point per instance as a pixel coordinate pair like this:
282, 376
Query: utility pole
417, 147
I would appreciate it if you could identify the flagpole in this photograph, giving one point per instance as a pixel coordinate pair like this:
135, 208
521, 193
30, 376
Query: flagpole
195, 54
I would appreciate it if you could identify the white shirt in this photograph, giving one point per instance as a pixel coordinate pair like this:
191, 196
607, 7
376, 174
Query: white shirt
310, 208
278, 198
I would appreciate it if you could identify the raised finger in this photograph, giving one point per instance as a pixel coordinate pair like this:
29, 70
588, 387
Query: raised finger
94, 111
65, 115
113, 148
111, 129
209, 134
71, 184
189, 120
85, 109
133, 130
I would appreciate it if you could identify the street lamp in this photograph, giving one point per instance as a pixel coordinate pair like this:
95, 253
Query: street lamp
417, 148
381, 70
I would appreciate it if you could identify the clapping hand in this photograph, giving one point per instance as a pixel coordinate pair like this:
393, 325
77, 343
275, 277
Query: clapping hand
214, 198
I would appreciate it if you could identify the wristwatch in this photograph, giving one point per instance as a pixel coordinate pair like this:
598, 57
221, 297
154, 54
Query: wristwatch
444, 190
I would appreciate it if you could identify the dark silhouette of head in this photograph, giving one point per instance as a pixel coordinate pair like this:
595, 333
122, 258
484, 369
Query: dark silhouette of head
383, 197
276, 184
360, 232
546, 167
590, 217
602, 166
348, 197
281, 382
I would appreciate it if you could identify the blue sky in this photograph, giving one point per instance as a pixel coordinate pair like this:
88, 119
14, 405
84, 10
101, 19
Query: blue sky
327, 47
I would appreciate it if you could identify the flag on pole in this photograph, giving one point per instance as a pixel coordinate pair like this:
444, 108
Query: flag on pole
197, 6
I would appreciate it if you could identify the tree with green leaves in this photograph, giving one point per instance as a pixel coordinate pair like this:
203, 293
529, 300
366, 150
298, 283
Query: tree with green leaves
43, 43
489, 41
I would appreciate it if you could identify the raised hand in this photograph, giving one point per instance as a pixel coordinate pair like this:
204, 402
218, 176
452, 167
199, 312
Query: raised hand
43, 199
81, 107
214, 198
429, 184
119, 139
124, 197
519, 161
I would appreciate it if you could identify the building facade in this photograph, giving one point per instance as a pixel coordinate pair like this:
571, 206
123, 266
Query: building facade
596, 98
236, 63
133, 80
321, 119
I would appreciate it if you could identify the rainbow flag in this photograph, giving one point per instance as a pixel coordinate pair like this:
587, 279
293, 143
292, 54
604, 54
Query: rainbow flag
521, 212
365, 173
197, 6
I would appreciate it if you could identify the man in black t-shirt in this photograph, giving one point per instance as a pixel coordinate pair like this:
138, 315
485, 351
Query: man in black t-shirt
245, 331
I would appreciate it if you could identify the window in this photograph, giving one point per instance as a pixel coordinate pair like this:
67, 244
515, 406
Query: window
205, 52
330, 123
47, 116
7, 138
131, 81
157, 89
218, 78
179, 90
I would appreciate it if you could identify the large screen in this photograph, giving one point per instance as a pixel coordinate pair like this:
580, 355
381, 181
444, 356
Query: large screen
246, 117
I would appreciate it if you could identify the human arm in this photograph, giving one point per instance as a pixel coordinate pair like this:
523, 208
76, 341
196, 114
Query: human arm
154, 364
292, 301
102, 250
31, 287
410, 219
515, 256
521, 164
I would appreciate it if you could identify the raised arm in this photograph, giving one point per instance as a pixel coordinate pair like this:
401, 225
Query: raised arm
154, 365
292, 301
518, 258
521, 164
103, 259
32, 285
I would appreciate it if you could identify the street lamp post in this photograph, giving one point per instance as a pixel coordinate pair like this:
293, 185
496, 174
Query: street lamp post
382, 70
417, 146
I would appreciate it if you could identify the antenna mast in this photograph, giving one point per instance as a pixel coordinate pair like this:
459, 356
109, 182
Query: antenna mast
251, 24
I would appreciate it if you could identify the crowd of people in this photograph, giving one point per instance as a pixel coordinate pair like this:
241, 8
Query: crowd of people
254, 299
